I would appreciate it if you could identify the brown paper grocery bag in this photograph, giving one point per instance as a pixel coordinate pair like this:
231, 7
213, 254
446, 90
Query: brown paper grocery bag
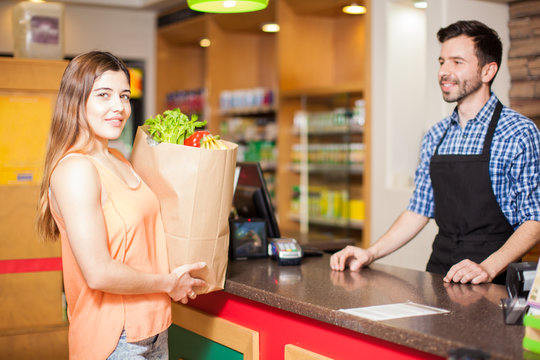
195, 189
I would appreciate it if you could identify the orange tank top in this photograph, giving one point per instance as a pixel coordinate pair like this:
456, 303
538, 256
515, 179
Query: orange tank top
135, 237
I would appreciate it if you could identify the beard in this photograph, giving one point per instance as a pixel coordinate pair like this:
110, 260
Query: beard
463, 88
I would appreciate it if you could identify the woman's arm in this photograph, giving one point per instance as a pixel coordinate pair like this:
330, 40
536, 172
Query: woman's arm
77, 196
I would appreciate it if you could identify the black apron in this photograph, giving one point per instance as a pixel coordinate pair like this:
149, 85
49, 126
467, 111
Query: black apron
471, 223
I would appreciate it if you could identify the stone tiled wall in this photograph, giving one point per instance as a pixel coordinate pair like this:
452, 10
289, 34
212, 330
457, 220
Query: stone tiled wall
524, 58
524, 65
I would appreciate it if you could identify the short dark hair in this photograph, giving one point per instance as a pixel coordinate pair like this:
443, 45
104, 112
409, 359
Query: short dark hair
488, 45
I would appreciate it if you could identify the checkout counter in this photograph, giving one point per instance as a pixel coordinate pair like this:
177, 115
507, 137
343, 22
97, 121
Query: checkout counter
273, 312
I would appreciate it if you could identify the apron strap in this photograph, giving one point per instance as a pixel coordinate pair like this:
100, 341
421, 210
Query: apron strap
489, 134
492, 126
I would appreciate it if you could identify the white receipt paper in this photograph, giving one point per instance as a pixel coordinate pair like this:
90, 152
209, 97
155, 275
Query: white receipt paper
394, 311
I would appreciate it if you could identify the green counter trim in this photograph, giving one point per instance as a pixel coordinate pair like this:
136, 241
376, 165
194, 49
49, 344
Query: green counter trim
186, 345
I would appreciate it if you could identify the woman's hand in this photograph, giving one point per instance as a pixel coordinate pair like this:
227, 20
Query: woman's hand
184, 284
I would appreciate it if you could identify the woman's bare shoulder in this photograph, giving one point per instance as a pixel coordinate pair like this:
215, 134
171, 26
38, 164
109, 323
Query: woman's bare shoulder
74, 174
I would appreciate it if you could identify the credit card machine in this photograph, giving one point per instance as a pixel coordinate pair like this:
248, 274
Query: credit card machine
286, 251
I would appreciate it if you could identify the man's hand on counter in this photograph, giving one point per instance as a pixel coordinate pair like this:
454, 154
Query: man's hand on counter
406, 227
351, 256
467, 271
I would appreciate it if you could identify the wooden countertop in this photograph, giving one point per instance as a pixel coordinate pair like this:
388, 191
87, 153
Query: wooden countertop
313, 290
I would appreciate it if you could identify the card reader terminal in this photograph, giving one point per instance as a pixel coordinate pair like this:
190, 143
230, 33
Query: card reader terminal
286, 251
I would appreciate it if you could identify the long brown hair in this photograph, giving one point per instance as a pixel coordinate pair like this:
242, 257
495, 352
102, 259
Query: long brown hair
69, 126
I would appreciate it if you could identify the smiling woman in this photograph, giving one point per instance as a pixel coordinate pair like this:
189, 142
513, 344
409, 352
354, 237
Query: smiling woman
114, 256
108, 105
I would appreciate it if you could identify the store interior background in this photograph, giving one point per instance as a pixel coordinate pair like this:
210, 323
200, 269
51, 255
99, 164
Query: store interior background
404, 101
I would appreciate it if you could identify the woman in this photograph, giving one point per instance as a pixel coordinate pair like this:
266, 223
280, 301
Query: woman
116, 273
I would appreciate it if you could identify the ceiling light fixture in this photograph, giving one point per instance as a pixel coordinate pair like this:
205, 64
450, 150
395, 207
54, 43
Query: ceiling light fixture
270, 27
420, 4
227, 6
354, 9
204, 42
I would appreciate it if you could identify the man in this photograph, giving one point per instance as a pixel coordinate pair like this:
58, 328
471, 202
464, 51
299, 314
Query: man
478, 173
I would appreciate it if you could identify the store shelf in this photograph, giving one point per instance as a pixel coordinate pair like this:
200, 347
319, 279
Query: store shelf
323, 91
268, 165
356, 169
249, 111
350, 130
340, 223
328, 159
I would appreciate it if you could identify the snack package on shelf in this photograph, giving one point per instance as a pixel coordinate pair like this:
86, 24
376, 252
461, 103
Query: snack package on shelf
531, 338
194, 185
531, 320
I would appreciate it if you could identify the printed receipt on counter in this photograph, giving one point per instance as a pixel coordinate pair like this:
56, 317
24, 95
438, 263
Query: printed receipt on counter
394, 311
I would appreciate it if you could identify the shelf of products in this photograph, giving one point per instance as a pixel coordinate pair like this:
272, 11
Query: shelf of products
249, 119
329, 155
334, 157
189, 101
330, 207
253, 101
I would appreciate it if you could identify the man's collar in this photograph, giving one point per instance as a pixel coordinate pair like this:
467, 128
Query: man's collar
483, 116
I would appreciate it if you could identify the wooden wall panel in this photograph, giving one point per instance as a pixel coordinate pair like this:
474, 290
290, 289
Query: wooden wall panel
217, 329
235, 61
31, 74
350, 43
180, 67
305, 49
32, 323
30, 301
17, 225
268, 61
293, 352
43, 345
287, 178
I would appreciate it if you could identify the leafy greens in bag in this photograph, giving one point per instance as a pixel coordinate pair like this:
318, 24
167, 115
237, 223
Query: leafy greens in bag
173, 126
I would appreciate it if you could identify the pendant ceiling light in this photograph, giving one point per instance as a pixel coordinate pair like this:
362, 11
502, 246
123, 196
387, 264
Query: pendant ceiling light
354, 9
227, 6
420, 4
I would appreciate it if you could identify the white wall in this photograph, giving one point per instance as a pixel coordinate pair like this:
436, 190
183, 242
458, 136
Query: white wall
129, 34
406, 101
443, 12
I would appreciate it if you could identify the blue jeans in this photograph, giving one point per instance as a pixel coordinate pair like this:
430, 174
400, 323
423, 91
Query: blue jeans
153, 348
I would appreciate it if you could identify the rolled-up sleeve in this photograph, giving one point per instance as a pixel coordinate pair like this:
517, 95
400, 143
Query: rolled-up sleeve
525, 176
421, 201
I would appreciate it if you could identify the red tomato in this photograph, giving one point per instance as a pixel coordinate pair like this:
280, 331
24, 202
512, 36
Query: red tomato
195, 139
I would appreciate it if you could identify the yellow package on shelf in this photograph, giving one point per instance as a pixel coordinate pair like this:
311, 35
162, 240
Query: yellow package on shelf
357, 209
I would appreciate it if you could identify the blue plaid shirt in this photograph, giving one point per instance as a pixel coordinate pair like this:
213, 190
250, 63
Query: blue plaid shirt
514, 165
